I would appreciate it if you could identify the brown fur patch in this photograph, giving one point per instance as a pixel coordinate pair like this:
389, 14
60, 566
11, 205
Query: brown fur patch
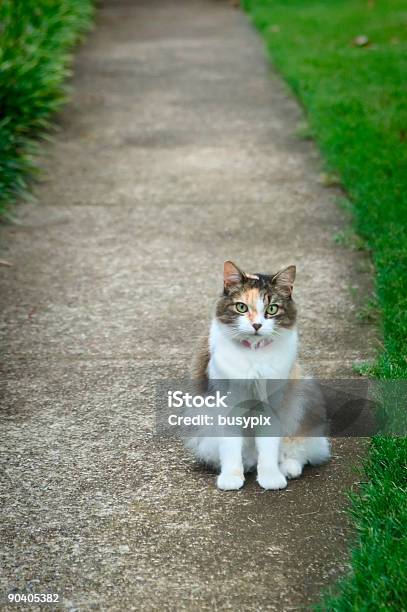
296, 372
200, 365
313, 422
250, 297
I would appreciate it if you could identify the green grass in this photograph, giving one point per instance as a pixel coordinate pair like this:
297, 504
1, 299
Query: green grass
36, 38
355, 101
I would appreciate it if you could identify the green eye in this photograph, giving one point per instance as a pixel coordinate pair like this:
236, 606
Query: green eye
241, 308
272, 309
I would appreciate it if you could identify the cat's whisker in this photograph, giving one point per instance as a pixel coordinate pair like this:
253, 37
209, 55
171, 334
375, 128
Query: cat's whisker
232, 332
276, 333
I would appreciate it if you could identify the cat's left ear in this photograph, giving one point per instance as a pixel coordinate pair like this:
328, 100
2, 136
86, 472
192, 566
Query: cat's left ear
284, 280
231, 274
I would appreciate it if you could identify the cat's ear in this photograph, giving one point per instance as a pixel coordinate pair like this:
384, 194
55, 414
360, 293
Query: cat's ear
284, 280
231, 274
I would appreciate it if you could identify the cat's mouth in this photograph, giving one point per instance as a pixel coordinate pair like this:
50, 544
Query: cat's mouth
256, 344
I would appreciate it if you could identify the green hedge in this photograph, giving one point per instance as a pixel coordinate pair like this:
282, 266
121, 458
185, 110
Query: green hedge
36, 38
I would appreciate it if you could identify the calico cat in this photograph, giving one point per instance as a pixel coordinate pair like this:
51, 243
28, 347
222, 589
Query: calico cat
253, 337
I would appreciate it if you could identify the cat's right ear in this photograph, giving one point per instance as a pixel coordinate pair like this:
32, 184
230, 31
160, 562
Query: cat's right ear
231, 275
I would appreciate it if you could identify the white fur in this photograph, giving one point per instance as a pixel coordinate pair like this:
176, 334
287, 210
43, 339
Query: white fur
231, 360
276, 458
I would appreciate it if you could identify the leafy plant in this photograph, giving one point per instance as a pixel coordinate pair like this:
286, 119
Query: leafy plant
36, 38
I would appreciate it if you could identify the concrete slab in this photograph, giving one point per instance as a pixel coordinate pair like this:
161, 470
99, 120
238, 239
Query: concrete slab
178, 151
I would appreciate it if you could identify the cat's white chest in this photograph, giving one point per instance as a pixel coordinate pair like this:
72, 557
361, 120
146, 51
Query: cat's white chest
231, 360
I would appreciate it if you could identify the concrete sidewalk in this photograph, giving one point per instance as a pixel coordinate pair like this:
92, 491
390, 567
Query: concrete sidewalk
178, 151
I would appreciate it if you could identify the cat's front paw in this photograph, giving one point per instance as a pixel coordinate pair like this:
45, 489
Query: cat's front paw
272, 480
230, 482
291, 468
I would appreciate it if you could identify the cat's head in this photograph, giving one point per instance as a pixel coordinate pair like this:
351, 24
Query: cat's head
254, 306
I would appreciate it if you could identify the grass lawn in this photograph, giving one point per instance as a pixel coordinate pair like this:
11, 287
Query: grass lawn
36, 37
353, 91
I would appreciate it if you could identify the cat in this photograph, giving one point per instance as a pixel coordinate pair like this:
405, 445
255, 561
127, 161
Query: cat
253, 337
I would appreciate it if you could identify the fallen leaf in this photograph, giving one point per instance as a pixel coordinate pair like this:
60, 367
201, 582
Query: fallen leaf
3, 262
361, 41
329, 180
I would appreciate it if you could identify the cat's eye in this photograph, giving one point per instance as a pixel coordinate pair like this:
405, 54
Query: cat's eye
241, 307
272, 309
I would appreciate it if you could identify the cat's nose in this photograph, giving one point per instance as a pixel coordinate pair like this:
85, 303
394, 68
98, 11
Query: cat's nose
256, 326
